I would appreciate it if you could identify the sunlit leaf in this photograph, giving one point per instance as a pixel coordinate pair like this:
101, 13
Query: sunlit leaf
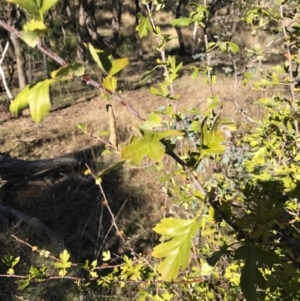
70, 70
32, 32
110, 83
101, 58
117, 66
64, 263
176, 250
212, 139
144, 27
111, 168
152, 122
36, 97
35, 6
106, 256
149, 146
182, 22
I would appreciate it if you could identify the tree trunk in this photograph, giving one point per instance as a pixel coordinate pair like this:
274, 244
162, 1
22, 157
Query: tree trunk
138, 40
14, 20
178, 5
81, 33
87, 29
116, 21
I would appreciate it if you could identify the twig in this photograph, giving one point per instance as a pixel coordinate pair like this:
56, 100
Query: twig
105, 202
42, 47
162, 53
113, 138
2, 72
213, 203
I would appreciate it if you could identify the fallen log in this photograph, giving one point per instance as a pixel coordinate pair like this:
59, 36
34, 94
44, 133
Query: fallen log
12, 166
32, 221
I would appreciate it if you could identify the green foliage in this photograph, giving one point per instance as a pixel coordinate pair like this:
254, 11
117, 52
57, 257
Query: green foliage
32, 32
63, 264
149, 146
144, 27
39, 7
175, 246
36, 97
240, 196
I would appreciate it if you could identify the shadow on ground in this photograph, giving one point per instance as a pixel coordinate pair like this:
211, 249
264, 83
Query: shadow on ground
62, 200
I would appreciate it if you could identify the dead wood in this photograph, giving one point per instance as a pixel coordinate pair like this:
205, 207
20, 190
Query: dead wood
13, 166
32, 221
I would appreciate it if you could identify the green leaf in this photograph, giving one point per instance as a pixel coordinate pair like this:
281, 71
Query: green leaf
117, 66
251, 275
106, 256
46, 5
35, 6
111, 168
233, 47
152, 122
32, 32
10, 261
29, 5
144, 27
263, 214
212, 139
223, 46
149, 146
22, 284
64, 263
100, 57
155, 91
182, 22
70, 70
176, 251
110, 83
36, 97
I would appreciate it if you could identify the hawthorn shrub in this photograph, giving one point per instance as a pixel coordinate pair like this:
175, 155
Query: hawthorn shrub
230, 230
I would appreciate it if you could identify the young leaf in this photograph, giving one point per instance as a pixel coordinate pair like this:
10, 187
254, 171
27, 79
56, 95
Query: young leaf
111, 168
64, 263
101, 58
149, 145
182, 22
35, 6
117, 66
110, 83
152, 122
32, 32
176, 251
106, 256
22, 284
144, 26
36, 97
70, 70
212, 139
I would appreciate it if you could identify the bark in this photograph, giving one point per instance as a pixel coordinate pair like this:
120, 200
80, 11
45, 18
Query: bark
138, 40
14, 20
178, 6
16, 167
116, 21
87, 29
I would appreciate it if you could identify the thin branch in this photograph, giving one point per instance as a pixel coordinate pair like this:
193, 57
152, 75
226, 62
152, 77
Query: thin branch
162, 53
42, 47
105, 202
2, 72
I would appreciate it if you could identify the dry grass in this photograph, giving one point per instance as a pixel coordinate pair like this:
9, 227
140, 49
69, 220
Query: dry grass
74, 207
